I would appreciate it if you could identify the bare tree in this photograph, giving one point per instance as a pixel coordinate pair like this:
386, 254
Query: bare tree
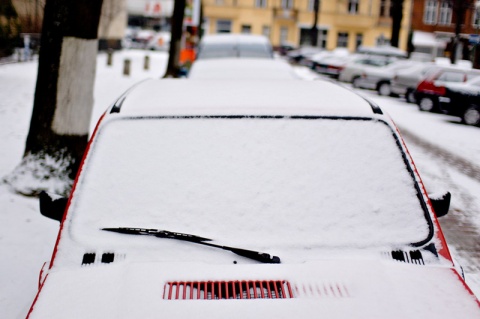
110, 11
460, 7
173, 66
314, 30
396, 13
63, 99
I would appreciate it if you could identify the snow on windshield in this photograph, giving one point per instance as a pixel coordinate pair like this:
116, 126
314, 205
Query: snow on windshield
255, 182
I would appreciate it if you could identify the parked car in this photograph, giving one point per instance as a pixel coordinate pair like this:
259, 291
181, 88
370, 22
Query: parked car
216, 46
247, 68
332, 63
353, 70
383, 51
432, 88
246, 199
304, 55
405, 82
379, 77
463, 100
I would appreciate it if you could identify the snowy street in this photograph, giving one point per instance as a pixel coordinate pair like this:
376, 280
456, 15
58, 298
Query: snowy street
445, 152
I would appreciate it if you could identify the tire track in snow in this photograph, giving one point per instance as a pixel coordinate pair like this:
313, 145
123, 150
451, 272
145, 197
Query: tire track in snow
461, 233
454, 161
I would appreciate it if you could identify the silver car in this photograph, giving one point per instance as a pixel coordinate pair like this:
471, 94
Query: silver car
405, 81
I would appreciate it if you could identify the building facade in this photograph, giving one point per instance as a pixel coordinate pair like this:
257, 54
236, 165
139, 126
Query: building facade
341, 23
433, 25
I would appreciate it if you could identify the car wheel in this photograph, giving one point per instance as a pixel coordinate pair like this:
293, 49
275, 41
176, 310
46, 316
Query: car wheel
384, 89
426, 104
471, 116
356, 82
410, 96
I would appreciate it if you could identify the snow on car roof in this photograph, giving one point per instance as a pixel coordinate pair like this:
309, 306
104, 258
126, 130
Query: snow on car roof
248, 68
221, 97
235, 38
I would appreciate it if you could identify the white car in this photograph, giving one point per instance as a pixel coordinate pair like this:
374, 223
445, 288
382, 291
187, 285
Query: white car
353, 70
229, 45
247, 68
249, 199
406, 81
379, 78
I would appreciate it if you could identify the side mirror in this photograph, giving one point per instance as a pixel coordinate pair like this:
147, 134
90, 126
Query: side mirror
441, 203
52, 208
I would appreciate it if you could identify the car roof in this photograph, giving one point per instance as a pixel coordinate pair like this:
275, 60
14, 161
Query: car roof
239, 97
234, 38
247, 68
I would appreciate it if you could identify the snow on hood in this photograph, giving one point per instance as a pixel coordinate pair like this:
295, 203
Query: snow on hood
359, 289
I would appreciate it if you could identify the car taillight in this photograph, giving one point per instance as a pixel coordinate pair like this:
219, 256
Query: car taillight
427, 86
440, 90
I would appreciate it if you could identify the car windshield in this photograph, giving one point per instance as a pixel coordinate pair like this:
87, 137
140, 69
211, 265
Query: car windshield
259, 182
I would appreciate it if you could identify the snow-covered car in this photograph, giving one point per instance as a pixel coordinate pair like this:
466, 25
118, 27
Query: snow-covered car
431, 90
247, 68
379, 78
405, 82
285, 199
353, 70
216, 46
462, 100
383, 51
332, 62
304, 55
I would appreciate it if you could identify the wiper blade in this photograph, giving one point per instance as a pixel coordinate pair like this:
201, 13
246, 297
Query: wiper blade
157, 233
255, 255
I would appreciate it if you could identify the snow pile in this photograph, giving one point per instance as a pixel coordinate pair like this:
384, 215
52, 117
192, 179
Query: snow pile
41, 172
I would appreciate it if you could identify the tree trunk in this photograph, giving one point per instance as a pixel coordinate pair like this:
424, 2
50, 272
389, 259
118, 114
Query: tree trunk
63, 99
173, 66
460, 8
396, 13
314, 30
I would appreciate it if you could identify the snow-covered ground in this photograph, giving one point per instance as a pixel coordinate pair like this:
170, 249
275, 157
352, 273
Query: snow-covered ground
27, 238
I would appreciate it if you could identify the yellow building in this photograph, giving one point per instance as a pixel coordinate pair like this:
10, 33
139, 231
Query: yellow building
341, 23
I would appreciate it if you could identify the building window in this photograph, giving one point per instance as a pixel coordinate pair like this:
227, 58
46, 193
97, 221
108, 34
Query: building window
219, 2
266, 31
342, 40
322, 38
445, 16
431, 11
385, 8
311, 5
287, 4
283, 34
246, 29
353, 6
261, 3
476, 17
224, 26
358, 40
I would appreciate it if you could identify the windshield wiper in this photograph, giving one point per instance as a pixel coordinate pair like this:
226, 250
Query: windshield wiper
255, 255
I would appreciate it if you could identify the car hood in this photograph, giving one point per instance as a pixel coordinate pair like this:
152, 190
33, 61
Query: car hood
330, 289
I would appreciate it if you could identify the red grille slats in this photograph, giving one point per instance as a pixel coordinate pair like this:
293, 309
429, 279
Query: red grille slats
211, 290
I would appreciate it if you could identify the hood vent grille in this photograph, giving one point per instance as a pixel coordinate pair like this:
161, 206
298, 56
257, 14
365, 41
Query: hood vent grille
411, 257
217, 290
